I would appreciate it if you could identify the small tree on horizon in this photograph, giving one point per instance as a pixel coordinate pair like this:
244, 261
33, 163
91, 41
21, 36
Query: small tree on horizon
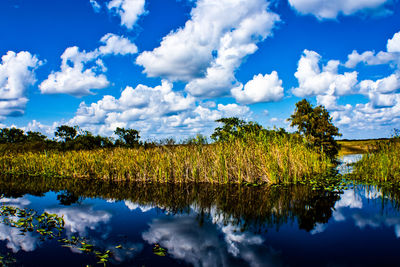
315, 124
234, 127
127, 137
66, 133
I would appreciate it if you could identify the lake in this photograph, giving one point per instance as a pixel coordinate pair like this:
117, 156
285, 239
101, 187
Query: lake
203, 225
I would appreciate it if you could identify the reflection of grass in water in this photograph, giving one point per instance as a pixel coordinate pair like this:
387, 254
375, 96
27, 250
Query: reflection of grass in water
278, 159
234, 203
381, 165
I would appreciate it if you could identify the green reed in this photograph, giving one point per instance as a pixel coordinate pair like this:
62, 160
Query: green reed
254, 159
380, 165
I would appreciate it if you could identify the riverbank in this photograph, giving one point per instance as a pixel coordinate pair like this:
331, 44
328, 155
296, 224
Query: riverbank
280, 159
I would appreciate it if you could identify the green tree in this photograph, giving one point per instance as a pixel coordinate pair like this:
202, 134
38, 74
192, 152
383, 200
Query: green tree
66, 133
127, 137
315, 124
235, 128
87, 141
12, 135
35, 137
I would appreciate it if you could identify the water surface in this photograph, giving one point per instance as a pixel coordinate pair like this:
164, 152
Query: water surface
205, 225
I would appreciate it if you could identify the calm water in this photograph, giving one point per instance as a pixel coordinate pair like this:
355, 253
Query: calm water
206, 225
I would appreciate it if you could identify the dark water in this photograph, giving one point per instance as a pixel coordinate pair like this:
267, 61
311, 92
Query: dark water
204, 225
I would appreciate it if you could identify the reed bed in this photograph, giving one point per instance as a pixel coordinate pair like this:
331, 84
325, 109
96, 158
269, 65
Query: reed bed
381, 165
276, 160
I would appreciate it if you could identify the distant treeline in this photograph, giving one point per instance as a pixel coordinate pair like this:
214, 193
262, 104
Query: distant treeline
66, 138
74, 138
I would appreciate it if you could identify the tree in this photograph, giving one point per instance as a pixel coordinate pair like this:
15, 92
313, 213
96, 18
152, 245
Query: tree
228, 130
66, 133
12, 135
127, 137
235, 128
35, 137
86, 140
315, 124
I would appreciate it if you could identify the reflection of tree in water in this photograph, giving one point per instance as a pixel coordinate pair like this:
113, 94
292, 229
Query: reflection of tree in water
241, 205
67, 198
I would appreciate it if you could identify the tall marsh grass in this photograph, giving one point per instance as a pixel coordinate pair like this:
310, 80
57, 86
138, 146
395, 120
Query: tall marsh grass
254, 160
381, 165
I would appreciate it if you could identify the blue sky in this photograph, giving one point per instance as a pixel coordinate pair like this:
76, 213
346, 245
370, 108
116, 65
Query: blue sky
170, 68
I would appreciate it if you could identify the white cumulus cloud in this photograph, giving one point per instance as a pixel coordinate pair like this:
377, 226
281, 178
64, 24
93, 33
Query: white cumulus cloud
313, 81
128, 10
392, 55
211, 46
393, 45
331, 9
155, 111
16, 75
81, 71
74, 80
261, 88
117, 45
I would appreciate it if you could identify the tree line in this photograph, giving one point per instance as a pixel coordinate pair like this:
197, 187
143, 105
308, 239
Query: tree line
314, 126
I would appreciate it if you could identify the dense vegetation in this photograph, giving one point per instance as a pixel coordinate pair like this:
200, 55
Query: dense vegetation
258, 159
242, 152
382, 164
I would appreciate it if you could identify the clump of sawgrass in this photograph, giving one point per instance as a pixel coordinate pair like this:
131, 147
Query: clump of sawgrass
380, 165
255, 159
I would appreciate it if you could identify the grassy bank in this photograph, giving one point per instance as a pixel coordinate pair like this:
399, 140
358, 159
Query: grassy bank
380, 165
358, 146
255, 160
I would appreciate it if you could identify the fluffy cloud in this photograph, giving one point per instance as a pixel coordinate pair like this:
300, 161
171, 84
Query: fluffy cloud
393, 45
128, 10
261, 88
370, 58
116, 45
153, 111
382, 112
16, 75
323, 9
383, 109
74, 80
211, 45
82, 71
313, 81
387, 85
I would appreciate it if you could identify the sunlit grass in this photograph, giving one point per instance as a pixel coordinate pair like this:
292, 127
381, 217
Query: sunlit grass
256, 160
381, 165
357, 146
